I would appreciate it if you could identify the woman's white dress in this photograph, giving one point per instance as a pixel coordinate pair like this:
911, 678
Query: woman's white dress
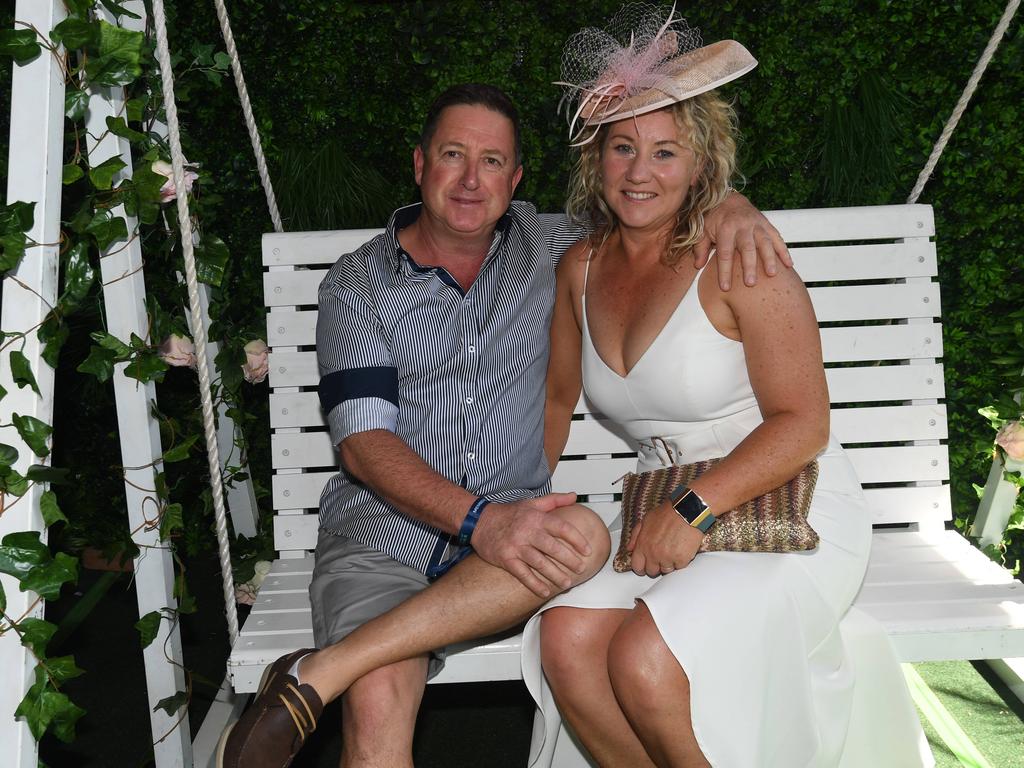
757, 634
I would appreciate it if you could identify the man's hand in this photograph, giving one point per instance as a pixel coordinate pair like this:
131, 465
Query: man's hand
663, 542
538, 548
737, 226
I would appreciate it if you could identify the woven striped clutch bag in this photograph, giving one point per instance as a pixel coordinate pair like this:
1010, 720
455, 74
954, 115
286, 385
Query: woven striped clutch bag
774, 522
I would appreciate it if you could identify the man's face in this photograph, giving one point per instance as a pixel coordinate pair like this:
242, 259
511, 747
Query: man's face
468, 174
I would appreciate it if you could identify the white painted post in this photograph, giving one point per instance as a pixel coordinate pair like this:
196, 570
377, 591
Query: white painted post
996, 503
124, 295
240, 496
34, 175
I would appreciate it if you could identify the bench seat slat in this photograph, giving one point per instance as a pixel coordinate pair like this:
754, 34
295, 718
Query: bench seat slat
917, 463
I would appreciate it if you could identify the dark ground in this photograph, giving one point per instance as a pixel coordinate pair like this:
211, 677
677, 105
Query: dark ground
474, 724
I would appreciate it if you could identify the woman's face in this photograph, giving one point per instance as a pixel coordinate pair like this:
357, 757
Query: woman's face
647, 169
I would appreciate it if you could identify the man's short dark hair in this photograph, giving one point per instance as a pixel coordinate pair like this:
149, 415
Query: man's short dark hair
472, 94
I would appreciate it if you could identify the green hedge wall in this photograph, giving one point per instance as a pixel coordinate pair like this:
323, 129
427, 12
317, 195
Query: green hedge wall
843, 109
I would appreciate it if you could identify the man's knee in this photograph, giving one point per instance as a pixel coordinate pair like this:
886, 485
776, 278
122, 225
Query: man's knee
594, 530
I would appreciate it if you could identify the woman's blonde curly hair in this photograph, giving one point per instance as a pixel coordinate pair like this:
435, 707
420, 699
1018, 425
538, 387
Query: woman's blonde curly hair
708, 125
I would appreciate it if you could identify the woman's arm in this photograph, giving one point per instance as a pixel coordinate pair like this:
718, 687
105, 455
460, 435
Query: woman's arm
565, 378
782, 348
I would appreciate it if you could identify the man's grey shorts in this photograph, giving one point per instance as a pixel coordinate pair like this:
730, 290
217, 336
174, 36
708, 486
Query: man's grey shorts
353, 583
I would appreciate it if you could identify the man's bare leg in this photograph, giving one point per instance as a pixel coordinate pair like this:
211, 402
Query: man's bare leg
378, 715
473, 600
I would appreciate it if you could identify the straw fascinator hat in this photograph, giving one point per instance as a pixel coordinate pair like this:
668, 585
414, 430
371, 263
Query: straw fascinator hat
642, 61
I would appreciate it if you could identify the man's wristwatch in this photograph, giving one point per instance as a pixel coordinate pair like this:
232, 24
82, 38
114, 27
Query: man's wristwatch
692, 508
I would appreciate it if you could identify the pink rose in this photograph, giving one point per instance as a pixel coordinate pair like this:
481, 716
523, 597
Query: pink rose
167, 191
1011, 439
256, 364
178, 351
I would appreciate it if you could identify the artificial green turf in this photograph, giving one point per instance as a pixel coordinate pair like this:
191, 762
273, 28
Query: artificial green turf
996, 730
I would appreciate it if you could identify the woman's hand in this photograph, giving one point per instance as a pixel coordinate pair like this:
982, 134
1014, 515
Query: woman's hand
663, 542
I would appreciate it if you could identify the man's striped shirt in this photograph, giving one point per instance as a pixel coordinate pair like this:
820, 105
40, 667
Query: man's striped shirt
459, 376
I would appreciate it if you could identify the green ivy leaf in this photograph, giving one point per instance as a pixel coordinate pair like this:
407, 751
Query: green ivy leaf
118, 127
19, 44
72, 173
221, 61
118, 9
79, 8
50, 510
107, 228
76, 33
171, 520
76, 103
114, 344
46, 708
21, 372
8, 455
147, 183
62, 668
146, 366
12, 249
34, 432
13, 482
102, 175
148, 626
135, 108
36, 634
118, 60
17, 217
172, 704
20, 552
180, 451
100, 363
41, 473
47, 579
211, 259
3, 598
78, 276
52, 334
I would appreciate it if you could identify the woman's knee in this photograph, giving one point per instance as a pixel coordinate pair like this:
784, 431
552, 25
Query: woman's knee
573, 642
640, 662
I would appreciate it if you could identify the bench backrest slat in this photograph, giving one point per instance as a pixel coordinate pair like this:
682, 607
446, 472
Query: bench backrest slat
871, 276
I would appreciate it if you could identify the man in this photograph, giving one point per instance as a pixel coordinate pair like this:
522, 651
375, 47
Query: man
432, 342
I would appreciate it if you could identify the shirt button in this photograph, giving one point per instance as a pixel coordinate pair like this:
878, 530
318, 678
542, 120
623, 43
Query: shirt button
470, 456
472, 348
469, 401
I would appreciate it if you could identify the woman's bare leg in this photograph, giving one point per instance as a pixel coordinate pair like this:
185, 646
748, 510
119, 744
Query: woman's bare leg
473, 600
574, 649
654, 692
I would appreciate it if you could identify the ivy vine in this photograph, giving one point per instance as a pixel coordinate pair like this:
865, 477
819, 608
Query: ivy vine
93, 53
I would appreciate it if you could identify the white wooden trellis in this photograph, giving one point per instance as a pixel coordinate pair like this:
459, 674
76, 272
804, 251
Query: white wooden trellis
124, 298
36, 159
34, 175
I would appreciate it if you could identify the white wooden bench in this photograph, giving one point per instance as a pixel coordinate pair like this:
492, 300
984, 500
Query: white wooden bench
872, 276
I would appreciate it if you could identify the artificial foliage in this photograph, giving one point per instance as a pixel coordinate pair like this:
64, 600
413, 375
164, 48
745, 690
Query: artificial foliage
843, 110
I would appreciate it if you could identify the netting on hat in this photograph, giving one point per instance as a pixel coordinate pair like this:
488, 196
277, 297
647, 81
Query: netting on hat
601, 68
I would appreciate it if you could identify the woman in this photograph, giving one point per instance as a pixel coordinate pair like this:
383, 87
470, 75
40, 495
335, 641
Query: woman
694, 659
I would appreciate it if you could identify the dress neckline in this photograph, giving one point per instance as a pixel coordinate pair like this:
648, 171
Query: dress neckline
654, 341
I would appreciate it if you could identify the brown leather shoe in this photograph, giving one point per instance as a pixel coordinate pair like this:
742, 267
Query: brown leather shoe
274, 727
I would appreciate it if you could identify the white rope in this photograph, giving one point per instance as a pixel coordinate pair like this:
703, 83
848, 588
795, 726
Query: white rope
250, 122
972, 84
199, 333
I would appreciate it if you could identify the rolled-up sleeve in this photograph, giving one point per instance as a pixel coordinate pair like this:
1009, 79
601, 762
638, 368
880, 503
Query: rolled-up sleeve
358, 381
